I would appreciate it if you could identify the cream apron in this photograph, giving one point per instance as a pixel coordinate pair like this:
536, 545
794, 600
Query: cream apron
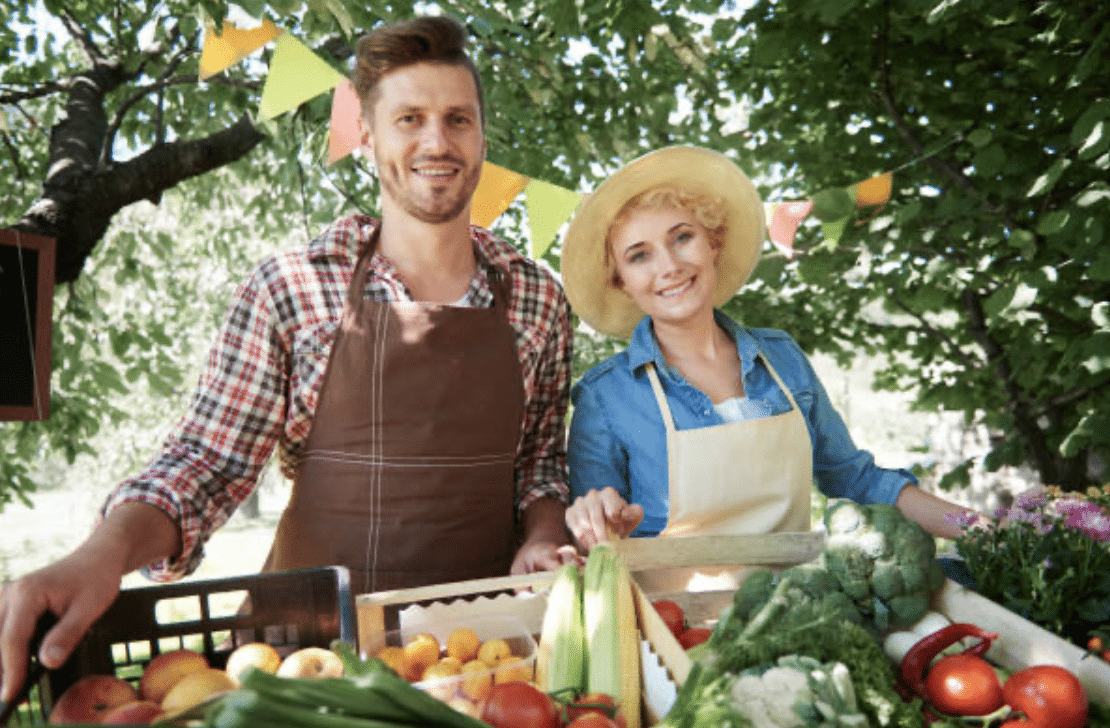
753, 476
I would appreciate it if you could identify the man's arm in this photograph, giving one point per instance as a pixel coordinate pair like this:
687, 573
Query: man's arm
79, 588
541, 467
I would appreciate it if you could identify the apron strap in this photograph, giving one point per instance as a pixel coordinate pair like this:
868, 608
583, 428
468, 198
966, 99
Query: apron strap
660, 398
664, 408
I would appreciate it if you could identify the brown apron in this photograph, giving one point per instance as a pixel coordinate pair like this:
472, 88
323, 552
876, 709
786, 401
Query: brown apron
407, 478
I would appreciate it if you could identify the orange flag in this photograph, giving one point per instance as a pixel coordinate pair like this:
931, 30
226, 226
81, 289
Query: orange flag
497, 188
225, 49
784, 223
874, 191
343, 135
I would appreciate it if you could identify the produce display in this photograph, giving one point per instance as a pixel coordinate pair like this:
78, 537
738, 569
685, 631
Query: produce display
846, 640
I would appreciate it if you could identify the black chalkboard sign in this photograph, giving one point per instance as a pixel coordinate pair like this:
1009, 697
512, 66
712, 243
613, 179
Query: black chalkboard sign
26, 312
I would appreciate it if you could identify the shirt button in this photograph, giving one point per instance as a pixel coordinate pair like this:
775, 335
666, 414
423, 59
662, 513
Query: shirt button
706, 412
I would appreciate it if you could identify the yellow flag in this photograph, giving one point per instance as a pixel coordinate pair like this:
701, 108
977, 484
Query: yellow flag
343, 134
296, 75
497, 188
874, 191
549, 207
223, 50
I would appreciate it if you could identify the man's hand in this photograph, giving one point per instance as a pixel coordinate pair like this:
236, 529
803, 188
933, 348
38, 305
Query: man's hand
547, 544
78, 589
599, 514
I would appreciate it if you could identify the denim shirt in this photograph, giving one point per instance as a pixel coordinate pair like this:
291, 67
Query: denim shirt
617, 435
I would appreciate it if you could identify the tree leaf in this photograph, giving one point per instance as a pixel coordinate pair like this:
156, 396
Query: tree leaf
1048, 180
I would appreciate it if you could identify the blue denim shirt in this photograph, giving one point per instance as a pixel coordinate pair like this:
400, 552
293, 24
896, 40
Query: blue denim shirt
617, 435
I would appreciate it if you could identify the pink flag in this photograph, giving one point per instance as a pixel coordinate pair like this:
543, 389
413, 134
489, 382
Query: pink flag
343, 135
784, 223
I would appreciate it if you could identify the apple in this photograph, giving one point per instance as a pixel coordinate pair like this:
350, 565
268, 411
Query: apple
164, 670
311, 662
252, 654
195, 688
139, 712
91, 698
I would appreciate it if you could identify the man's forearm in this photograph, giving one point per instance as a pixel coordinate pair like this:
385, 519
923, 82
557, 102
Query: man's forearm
135, 535
544, 520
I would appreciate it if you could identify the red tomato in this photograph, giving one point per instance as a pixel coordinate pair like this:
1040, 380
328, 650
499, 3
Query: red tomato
597, 704
519, 705
1049, 695
694, 636
1094, 644
963, 684
592, 720
672, 615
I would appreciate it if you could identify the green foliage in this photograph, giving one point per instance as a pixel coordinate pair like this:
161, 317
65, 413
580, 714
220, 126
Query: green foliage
985, 273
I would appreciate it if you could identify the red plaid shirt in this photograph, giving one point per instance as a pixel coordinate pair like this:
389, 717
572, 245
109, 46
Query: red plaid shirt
264, 373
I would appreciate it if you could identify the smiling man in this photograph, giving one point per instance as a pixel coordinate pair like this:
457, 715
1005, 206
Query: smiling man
412, 373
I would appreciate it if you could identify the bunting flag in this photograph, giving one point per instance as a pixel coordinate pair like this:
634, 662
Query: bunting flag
497, 188
549, 207
343, 135
785, 219
296, 75
874, 191
225, 49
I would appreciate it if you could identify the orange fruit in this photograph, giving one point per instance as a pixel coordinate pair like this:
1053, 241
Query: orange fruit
477, 680
463, 644
417, 655
492, 652
513, 669
391, 656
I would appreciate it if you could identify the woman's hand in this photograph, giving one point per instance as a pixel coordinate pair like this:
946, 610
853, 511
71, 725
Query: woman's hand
599, 514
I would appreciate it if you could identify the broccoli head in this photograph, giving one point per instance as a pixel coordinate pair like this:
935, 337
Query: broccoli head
882, 560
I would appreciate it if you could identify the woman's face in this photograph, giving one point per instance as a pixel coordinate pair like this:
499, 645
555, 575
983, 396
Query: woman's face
666, 263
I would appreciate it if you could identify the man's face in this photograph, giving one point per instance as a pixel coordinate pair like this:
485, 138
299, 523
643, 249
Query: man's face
425, 135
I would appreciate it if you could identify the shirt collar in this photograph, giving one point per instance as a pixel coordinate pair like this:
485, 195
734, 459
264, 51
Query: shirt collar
644, 347
345, 237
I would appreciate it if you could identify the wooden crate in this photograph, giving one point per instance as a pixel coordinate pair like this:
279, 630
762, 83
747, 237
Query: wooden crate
663, 662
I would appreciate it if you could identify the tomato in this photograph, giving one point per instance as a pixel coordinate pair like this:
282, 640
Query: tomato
519, 705
693, 637
1047, 694
672, 615
592, 720
1094, 644
596, 704
963, 684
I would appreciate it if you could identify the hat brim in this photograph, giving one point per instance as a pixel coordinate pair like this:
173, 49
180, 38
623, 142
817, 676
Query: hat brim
585, 274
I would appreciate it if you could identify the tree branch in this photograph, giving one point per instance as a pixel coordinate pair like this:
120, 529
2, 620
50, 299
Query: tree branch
1025, 420
46, 88
77, 31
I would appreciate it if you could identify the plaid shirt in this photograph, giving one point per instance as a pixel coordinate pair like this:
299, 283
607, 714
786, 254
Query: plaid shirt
260, 384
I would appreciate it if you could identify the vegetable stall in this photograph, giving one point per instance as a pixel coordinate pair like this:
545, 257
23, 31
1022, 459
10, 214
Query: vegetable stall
857, 628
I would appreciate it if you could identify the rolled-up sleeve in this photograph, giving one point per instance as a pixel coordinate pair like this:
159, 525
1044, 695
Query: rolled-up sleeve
211, 460
841, 469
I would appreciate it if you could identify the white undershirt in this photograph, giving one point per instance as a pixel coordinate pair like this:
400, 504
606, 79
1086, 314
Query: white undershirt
738, 409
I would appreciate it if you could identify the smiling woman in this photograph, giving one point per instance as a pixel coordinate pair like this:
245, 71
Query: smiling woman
702, 425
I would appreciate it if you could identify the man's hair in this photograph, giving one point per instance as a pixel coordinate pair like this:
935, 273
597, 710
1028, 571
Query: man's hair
431, 39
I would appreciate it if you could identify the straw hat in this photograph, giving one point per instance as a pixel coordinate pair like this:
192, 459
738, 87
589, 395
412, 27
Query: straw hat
585, 275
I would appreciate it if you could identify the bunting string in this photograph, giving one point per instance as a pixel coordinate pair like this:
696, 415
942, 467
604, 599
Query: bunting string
296, 75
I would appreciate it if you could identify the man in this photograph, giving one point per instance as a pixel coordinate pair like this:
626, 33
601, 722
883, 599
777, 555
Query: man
413, 373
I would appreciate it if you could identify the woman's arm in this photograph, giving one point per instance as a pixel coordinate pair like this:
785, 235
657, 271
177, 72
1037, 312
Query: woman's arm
937, 516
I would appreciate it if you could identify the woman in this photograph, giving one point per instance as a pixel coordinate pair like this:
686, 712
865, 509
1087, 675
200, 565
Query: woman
701, 425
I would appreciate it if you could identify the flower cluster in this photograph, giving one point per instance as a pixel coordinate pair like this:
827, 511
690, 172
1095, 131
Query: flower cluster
1047, 558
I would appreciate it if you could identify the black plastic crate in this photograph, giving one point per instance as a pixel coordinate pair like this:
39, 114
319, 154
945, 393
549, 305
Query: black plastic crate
287, 609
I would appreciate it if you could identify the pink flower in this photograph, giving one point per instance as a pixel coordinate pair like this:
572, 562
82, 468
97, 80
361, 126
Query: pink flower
1085, 517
